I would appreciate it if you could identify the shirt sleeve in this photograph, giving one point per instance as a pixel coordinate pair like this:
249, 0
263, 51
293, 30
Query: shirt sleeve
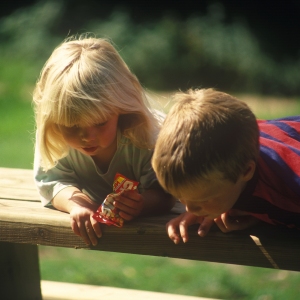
273, 196
280, 149
54, 180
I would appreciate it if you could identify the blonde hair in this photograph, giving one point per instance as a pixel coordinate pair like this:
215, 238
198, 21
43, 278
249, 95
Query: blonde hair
85, 79
205, 131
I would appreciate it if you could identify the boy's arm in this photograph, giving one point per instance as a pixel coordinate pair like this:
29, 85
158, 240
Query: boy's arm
235, 220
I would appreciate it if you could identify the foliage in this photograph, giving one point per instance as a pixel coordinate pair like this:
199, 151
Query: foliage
168, 54
17, 124
26, 34
203, 51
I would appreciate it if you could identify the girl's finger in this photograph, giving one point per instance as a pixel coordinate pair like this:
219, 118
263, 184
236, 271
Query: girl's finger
83, 233
91, 233
96, 227
126, 216
75, 227
133, 195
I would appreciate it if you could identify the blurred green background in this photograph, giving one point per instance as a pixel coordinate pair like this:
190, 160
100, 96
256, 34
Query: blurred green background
168, 51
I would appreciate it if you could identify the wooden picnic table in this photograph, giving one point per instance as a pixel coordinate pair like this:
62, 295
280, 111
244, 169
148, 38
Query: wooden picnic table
25, 224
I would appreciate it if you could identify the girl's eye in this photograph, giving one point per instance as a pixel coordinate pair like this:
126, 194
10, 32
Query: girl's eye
67, 128
101, 124
72, 128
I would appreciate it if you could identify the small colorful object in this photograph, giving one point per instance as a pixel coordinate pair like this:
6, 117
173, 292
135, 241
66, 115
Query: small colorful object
107, 213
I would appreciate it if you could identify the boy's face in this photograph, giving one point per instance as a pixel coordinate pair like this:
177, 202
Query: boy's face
210, 198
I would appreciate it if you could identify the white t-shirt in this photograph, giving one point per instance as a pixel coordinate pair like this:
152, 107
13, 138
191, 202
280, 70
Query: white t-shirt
79, 170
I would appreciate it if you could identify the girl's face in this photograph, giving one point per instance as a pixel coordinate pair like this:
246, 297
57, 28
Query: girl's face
92, 140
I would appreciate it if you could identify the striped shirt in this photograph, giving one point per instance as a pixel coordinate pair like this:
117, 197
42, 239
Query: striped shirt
273, 194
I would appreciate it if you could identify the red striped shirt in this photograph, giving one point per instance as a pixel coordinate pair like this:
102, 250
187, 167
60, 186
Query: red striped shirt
273, 194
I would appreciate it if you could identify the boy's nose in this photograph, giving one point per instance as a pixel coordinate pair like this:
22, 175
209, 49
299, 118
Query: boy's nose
192, 209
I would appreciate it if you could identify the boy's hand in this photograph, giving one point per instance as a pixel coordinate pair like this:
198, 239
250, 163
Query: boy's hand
177, 228
84, 225
130, 204
235, 220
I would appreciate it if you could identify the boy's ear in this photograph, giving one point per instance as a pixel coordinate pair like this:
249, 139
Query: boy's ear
250, 169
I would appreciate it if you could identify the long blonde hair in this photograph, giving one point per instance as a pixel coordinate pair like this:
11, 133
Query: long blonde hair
85, 79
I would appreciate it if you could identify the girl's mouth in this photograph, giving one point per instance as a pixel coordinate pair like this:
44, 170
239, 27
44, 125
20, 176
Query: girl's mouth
90, 149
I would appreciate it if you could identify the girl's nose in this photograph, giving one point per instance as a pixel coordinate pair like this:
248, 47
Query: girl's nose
88, 134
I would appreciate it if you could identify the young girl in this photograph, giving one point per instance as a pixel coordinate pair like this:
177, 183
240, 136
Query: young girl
93, 121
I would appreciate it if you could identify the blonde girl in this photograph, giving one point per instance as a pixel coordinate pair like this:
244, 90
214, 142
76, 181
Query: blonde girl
92, 121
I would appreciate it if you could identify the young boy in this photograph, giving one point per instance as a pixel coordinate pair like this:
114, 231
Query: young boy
227, 167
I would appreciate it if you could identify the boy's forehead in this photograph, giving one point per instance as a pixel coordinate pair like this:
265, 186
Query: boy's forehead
198, 191
204, 188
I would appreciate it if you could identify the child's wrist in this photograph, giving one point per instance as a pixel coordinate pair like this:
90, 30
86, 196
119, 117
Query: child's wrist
79, 199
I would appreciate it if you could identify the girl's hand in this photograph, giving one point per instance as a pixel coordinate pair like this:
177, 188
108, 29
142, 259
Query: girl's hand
235, 220
177, 228
84, 225
130, 204
81, 208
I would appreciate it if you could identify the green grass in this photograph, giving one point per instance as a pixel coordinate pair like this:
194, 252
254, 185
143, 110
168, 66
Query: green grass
16, 131
16, 114
168, 275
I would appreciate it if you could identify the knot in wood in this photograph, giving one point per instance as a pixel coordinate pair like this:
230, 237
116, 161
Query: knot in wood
41, 232
141, 230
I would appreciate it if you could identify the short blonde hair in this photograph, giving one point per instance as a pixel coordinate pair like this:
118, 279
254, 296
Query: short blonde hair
85, 79
205, 131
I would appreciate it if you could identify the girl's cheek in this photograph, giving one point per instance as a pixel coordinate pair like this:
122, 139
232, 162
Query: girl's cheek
70, 136
71, 140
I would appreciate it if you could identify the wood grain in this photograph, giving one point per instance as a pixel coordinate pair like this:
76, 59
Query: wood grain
24, 220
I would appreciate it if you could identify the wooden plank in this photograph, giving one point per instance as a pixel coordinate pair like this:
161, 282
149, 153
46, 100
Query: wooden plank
28, 222
20, 272
17, 184
31, 223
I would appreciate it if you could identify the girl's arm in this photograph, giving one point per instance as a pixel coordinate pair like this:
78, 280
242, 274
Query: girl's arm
81, 208
157, 201
132, 204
